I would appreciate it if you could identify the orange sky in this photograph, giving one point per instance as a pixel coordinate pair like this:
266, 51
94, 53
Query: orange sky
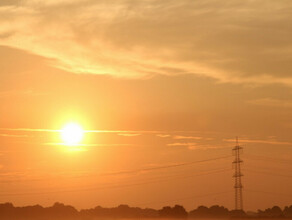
158, 83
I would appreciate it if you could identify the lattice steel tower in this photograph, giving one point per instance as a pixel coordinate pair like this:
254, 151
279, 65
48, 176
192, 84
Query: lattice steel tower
237, 176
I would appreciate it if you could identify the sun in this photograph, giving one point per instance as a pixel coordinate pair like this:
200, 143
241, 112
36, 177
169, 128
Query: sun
72, 134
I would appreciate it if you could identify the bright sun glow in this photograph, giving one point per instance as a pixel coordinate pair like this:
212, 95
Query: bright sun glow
72, 134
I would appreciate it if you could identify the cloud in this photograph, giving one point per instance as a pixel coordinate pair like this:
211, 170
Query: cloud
88, 145
119, 132
13, 135
181, 144
187, 137
163, 135
268, 141
196, 146
29, 129
129, 135
5, 35
232, 41
9, 2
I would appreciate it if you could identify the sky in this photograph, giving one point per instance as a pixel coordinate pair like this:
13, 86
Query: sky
161, 88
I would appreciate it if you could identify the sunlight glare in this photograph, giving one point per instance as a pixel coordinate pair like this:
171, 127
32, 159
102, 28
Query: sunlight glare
72, 134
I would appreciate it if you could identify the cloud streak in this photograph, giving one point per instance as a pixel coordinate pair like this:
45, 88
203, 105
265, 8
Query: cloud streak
273, 142
158, 133
129, 135
29, 129
13, 135
187, 137
196, 146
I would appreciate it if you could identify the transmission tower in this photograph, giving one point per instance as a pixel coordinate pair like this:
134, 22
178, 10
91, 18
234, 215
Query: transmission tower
237, 176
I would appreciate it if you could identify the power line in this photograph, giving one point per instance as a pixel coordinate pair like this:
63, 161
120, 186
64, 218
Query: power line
112, 186
139, 170
168, 166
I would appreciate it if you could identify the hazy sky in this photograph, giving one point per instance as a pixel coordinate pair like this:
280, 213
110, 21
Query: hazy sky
158, 83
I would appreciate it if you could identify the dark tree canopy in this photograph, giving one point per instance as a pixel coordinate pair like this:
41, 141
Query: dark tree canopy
176, 212
66, 212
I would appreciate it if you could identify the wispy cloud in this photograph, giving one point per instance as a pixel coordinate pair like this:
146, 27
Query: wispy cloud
122, 132
159, 133
187, 137
29, 129
129, 134
163, 135
268, 141
197, 146
14, 135
235, 42
87, 145
182, 144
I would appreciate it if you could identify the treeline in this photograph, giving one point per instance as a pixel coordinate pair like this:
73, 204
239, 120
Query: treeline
61, 211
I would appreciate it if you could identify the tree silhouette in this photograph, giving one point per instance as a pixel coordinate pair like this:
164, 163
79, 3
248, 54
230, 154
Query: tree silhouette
176, 212
287, 211
213, 211
60, 211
